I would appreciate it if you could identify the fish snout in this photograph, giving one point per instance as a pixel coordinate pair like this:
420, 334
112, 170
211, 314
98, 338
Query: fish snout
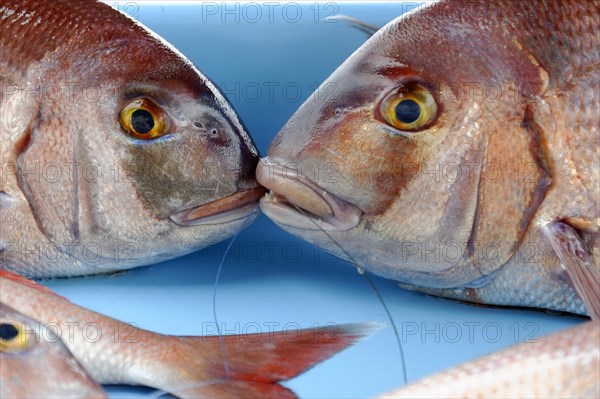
230, 162
296, 200
248, 161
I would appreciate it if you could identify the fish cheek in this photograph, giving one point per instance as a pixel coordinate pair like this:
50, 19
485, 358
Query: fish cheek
367, 165
176, 174
513, 185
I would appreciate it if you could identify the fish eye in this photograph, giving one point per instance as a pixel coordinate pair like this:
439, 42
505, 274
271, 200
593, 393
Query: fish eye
13, 337
409, 108
143, 119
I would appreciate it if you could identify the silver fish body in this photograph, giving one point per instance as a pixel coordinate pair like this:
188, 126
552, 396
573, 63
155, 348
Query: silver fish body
562, 365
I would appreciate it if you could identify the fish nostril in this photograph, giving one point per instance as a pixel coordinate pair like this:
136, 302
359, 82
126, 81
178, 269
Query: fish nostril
207, 130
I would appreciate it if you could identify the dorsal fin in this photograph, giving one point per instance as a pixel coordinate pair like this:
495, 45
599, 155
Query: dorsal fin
362, 26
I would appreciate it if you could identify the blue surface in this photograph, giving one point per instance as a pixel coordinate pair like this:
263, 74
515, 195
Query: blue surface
270, 278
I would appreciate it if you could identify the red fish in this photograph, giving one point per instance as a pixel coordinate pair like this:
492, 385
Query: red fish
460, 157
114, 352
116, 151
561, 365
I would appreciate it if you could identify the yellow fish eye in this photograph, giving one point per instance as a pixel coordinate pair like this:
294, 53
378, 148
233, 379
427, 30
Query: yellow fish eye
143, 119
13, 338
410, 107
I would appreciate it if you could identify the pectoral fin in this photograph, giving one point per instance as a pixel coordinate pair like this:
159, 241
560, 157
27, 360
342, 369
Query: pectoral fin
577, 261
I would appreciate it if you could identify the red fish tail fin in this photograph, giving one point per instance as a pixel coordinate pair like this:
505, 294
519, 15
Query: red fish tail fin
254, 363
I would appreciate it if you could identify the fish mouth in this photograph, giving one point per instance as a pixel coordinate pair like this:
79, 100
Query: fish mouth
224, 210
296, 201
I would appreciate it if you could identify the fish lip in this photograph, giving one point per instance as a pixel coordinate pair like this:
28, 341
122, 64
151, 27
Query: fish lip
236, 206
344, 216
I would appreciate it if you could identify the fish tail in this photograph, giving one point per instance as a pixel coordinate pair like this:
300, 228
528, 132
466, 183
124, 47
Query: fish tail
248, 365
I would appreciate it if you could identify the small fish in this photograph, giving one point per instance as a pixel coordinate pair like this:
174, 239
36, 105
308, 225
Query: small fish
116, 151
33, 359
459, 155
114, 352
562, 365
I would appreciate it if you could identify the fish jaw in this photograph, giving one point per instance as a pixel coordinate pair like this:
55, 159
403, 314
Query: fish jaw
114, 201
228, 209
33, 371
323, 209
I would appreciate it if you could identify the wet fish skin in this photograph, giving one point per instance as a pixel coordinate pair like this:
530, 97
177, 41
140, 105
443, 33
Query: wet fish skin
562, 365
385, 205
78, 194
114, 352
33, 361
385, 200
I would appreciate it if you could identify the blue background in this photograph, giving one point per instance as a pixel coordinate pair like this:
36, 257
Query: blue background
270, 278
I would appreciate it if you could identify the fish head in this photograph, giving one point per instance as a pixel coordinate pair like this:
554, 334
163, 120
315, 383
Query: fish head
142, 158
400, 162
33, 358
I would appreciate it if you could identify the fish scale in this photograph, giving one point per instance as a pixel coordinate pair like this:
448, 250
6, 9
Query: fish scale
516, 89
75, 79
568, 363
528, 155
84, 195
114, 352
41, 356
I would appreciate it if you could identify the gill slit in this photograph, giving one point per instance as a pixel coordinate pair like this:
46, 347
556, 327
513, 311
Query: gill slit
373, 287
540, 152
477, 215
21, 147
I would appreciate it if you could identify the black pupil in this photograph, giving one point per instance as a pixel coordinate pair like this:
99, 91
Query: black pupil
408, 111
142, 121
8, 331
